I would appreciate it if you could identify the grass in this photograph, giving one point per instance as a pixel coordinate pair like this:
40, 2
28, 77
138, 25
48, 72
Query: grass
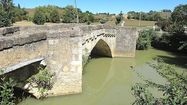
135, 23
24, 23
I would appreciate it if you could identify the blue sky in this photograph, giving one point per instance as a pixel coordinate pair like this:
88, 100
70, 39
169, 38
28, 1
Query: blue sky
111, 6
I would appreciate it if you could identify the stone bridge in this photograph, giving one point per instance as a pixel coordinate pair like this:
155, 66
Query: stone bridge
64, 48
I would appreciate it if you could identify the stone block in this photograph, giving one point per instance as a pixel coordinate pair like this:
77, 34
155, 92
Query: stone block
5, 43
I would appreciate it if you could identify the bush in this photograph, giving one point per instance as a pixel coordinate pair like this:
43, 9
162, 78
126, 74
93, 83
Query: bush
119, 18
86, 17
7, 92
69, 15
164, 24
43, 80
5, 19
39, 18
55, 16
103, 20
174, 92
145, 39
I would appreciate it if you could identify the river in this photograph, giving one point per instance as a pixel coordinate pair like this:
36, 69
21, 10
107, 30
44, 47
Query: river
108, 81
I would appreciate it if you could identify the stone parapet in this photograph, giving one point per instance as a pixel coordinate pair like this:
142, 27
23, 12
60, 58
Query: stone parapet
19, 40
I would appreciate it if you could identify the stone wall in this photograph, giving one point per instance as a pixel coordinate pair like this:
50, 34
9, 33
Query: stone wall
126, 42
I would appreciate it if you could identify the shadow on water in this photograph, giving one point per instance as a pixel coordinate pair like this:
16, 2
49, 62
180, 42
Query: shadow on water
180, 61
177, 59
21, 94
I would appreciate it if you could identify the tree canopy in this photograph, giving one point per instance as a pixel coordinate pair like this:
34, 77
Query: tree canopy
9, 13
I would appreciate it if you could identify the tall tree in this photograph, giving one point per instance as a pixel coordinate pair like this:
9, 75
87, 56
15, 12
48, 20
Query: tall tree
6, 14
179, 19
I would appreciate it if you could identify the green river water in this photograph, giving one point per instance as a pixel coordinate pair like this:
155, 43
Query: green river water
108, 81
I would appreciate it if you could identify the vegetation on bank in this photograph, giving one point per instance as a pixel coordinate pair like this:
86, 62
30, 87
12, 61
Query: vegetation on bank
42, 81
150, 16
174, 91
7, 91
145, 39
9, 13
174, 38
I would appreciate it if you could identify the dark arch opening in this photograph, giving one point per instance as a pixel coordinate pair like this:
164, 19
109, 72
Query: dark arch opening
101, 49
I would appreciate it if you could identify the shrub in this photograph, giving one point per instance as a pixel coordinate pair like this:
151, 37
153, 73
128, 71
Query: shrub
103, 20
7, 92
43, 80
174, 92
5, 20
69, 15
39, 18
55, 16
164, 24
145, 39
119, 18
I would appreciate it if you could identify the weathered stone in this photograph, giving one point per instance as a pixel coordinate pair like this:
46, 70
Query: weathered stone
64, 48
9, 30
5, 43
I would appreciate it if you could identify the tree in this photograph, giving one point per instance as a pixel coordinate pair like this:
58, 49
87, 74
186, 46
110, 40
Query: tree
119, 18
179, 19
166, 10
39, 18
55, 16
145, 39
86, 17
19, 14
164, 24
6, 13
4, 19
69, 15
7, 5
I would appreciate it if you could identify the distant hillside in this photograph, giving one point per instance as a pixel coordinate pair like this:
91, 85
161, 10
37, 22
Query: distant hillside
165, 15
30, 11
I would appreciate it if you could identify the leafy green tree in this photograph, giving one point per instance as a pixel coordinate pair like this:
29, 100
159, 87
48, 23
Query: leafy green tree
145, 39
47, 11
7, 5
150, 16
164, 24
86, 17
4, 19
6, 13
179, 19
55, 16
39, 18
119, 18
19, 14
70, 13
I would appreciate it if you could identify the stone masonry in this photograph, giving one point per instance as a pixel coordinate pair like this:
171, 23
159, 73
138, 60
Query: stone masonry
63, 47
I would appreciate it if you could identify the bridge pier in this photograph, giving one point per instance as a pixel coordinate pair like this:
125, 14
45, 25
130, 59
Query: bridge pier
65, 60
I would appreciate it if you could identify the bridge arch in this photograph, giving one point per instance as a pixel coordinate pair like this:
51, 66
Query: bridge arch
101, 49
